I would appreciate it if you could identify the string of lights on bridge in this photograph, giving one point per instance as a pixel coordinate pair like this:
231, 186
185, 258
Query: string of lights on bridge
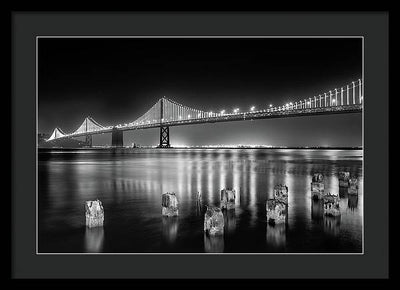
169, 112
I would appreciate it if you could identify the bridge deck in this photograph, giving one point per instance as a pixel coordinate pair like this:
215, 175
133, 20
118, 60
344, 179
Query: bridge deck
257, 115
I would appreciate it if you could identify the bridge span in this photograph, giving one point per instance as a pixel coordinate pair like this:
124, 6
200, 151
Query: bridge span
167, 113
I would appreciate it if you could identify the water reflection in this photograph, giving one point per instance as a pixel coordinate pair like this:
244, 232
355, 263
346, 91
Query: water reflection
332, 225
229, 221
170, 228
94, 239
276, 236
352, 202
342, 192
213, 244
131, 185
317, 210
199, 205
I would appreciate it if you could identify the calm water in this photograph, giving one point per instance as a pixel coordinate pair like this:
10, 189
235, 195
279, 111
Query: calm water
130, 182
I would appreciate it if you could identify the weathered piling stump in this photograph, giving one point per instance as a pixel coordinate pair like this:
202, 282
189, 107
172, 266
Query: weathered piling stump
94, 213
214, 221
344, 177
277, 207
169, 204
353, 186
317, 186
331, 205
228, 198
276, 211
281, 193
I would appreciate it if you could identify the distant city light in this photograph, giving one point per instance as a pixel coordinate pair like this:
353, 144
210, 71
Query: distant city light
270, 105
222, 112
252, 108
236, 110
188, 116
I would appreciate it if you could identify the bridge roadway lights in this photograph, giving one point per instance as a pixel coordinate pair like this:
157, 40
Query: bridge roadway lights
164, 137
117, 138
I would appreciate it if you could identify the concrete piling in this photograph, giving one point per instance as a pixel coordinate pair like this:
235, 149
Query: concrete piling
353, 186
277, 207
317, 186
228, 198
94, 213
276, 212
331, 205
214, 221
344, 178
281, 193
169, 204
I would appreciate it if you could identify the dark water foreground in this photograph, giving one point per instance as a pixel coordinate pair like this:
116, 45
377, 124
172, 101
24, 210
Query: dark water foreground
130, 182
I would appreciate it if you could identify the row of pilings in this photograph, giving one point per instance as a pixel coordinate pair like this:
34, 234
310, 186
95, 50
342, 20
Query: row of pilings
276, 207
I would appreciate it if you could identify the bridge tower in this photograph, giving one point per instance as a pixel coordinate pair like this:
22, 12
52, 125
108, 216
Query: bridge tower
89, 140
117, 138
164, 130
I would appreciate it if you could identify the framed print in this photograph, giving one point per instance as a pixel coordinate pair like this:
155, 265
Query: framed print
149, 148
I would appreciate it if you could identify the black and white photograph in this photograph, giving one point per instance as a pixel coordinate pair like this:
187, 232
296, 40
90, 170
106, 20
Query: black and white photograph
222, 145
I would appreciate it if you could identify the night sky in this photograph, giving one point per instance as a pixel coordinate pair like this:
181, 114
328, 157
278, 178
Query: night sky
117, 80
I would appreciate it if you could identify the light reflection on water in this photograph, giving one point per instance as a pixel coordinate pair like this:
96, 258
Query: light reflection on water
130, 184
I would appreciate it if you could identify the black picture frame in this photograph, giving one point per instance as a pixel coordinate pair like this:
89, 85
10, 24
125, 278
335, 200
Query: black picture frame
373, 26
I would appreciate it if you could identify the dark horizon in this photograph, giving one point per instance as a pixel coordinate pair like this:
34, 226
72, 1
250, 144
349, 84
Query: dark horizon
117, 80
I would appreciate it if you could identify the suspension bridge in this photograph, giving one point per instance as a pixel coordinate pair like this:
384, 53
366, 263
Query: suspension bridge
166, 113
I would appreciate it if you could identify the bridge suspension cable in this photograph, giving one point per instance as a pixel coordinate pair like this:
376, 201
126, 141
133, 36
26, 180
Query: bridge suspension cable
57, 133
88, 125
